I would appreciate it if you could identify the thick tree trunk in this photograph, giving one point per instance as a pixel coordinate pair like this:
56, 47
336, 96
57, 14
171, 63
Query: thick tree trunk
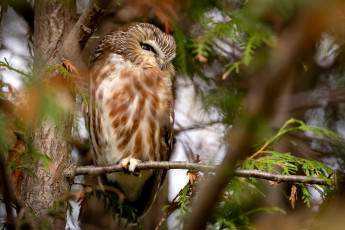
53, 20
41, 194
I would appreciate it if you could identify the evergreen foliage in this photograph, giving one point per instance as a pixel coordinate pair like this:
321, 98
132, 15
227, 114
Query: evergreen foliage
115, 207
221, 47
236, 203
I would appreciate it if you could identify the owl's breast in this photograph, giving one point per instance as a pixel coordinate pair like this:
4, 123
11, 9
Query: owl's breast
130, 106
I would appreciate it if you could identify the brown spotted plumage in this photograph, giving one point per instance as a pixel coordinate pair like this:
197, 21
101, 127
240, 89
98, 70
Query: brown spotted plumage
131, 112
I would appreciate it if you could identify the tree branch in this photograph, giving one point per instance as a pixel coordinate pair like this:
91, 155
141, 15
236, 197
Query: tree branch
6, 193
196, 126
82, 30
97, 170
305, 100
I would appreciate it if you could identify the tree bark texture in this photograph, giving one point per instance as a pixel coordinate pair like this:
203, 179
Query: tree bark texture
53, 20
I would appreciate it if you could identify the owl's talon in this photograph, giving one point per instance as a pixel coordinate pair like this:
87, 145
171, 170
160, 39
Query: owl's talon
136, 173
129, 164
124, 167
125, 171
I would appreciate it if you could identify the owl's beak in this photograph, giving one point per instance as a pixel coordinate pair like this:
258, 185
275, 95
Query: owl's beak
161, 64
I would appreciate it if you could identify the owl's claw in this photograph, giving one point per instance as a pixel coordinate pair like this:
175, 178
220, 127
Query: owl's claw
125, 171
136, 173
129, 164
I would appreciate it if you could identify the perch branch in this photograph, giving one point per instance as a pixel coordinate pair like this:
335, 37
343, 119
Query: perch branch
96, 171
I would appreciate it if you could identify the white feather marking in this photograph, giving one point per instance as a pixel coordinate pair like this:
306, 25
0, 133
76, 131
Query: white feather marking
131, 185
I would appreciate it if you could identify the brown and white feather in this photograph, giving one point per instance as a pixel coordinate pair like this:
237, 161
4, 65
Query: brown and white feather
131, 112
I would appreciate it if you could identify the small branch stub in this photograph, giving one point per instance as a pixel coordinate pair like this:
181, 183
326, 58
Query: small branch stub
70, 173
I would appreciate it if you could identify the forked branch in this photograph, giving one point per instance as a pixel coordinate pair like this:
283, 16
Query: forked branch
83, 29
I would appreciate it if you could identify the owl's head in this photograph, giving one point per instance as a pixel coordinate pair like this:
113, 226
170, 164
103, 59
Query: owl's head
142, 44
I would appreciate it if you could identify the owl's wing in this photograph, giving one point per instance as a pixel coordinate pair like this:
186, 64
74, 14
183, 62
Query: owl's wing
157, 179
85, 111
149, 193
168, 133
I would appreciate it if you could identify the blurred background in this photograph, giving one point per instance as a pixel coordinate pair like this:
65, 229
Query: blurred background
227, 51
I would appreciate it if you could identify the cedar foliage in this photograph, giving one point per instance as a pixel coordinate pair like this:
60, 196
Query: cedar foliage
222, 46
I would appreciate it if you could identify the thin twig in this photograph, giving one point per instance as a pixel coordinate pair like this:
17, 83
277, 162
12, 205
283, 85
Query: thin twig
260, 150
89, 188
172, 207
196, 126
279, 177
8, 66
162, 221
97, 170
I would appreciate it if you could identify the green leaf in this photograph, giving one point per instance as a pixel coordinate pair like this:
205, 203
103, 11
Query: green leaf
165, 207
8, 66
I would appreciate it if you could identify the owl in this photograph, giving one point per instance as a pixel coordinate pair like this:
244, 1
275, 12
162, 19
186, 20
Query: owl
131, 113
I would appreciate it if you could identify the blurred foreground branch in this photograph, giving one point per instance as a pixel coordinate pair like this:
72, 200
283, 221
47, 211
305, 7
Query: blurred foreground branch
261, 102
308, 99
96, 171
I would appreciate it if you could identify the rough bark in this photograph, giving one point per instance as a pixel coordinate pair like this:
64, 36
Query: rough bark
53, 21
57, 37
